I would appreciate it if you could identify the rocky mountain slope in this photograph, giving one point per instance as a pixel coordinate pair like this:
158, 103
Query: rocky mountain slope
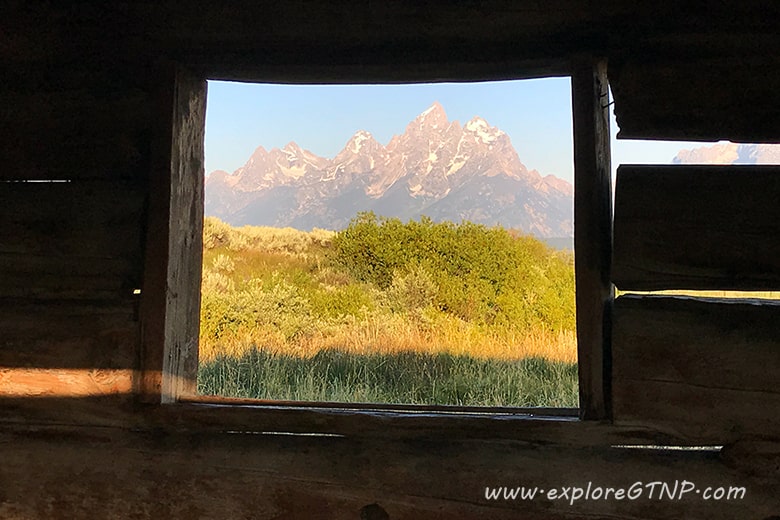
436, 168
730, 153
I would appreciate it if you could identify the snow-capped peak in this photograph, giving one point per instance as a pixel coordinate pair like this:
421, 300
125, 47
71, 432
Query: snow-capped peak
435, 107
291, 150
483, 130
356, 143
434, 116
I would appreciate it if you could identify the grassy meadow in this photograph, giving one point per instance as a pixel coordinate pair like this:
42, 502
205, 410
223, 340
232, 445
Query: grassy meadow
387, 312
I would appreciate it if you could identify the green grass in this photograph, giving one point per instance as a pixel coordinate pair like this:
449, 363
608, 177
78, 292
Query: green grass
387, 312
405, 377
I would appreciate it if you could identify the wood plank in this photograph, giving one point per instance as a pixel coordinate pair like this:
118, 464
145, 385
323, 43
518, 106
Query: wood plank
704, 99
29, 383
697, 227
143, 475
700, 369
185, 261
592, 234
171, 302
72, 134
402, 41
120, 410
64, 334
78, 239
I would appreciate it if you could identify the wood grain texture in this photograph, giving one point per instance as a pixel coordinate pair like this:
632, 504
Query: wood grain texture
74, 475
185, 259
409, 41
78, 239
592, 234
58, 382
704, 99
697, 227
75, 134
170, 307
700, 369
345, 41
102, 411
67, 334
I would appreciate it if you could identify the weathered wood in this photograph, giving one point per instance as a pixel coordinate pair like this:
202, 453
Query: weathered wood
66, 334
700, 369
66, 350
404, 41
57, 382
87, 278
74, 134
174, 243
697, 227
78, 218
592, 234
689, 72
113, 411
70, 475
391, 42
531, 411
185, 260
78, 239
707, 99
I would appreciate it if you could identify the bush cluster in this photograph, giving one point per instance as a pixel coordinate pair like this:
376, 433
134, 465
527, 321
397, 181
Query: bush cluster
485, 275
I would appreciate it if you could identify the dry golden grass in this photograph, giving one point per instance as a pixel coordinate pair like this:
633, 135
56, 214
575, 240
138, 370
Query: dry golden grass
233, 257
392, 334
263, 238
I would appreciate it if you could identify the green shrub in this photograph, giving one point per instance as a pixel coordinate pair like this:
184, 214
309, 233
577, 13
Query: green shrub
345, 300
481, 274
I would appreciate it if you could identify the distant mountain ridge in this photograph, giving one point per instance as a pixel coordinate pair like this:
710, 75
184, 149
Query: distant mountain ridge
436, 168
730, 153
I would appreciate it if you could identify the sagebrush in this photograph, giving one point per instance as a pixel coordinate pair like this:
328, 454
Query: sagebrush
385, 288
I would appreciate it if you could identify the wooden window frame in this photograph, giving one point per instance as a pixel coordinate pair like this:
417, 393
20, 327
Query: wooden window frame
171, 292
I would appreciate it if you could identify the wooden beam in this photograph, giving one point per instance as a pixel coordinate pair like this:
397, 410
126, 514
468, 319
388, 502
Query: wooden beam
68, 334
144, 475
711, 98
702, 369
170, 303
697, 227
75, 133
111, 411
185, 258
76, 240
592, 234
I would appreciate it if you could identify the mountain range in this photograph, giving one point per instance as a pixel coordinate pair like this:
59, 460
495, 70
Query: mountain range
730, 153
438, 168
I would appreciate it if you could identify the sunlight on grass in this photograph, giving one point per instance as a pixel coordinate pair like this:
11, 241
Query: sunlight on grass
408, 377
387, 312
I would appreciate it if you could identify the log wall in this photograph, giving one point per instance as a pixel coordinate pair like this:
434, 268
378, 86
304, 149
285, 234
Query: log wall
89, 99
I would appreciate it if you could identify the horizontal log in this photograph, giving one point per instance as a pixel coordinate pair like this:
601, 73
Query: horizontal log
697, 227
190, 417
28, 383
78, 239
700, 369
84, 474
396, 42
708, 99
74, 134
50, 334
52, 277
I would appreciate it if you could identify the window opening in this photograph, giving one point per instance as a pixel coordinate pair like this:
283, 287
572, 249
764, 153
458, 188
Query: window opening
405, 244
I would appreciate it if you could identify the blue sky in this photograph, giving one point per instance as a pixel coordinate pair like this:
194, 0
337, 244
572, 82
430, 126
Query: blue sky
321, 118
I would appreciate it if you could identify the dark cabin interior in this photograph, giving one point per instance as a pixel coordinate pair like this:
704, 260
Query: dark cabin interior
102, 118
